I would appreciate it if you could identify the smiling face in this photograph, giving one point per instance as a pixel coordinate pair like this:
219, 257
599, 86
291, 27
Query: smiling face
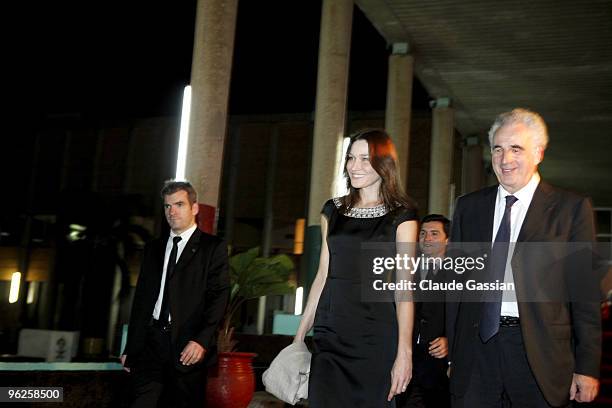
180, 214
433, 239
515, 156
359, 168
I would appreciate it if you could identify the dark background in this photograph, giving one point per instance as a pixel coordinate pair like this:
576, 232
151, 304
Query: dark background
86, 79
100, 62
116, 58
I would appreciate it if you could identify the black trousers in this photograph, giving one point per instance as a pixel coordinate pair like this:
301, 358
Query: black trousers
157, 383
417, 396
501, 376
429, 385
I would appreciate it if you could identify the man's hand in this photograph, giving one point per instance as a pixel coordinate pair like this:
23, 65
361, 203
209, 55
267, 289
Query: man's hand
192, 353
584, 388
123, 358
438, 347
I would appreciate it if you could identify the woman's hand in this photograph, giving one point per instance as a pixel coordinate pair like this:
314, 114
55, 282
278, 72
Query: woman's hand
401, 373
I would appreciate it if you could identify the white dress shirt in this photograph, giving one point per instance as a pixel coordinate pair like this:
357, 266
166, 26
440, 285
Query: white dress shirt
517, 216
185, 236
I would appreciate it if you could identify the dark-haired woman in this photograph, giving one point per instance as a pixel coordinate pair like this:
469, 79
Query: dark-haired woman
362, 353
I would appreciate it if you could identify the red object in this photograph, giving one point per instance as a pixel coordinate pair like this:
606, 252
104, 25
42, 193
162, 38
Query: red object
231, 382
206, 218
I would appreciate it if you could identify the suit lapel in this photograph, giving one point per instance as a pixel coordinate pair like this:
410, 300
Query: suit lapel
192, 246
540, 203
159, 252
535, 220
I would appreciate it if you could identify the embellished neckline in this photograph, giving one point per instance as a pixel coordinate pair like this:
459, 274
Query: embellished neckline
367, 212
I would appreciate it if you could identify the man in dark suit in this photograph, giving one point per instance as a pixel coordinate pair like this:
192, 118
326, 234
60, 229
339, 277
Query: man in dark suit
526, 351
180, 299
429, 384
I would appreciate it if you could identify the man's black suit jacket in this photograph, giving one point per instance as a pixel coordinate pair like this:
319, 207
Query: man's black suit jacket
429, 324
560, 337
199, 291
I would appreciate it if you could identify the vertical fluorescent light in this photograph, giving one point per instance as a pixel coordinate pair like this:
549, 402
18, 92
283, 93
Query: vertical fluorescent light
183, 135
15, 281
299, 297
261, 315
31, 292
340, 181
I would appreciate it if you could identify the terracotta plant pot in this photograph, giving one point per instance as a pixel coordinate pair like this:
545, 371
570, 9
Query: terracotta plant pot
231, 382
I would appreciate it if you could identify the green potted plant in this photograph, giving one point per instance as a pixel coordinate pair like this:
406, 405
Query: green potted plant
232, 382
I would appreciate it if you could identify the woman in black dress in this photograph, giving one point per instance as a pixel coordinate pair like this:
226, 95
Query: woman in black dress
362, 353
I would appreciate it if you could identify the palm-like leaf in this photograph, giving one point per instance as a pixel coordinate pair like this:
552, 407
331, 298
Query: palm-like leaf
252, 277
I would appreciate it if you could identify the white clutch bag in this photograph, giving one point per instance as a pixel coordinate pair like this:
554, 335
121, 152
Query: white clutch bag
287, 376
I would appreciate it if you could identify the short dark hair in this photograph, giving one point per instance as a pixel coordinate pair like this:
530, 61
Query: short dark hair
172, 186
438, 218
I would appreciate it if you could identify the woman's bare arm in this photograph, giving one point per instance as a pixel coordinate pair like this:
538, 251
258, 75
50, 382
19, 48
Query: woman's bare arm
317, 287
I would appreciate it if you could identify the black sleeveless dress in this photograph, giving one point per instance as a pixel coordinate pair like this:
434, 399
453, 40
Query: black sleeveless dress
355, 342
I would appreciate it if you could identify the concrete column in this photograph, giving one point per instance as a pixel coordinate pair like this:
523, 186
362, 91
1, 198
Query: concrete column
330, 118
330, 111
472, 171
399, 103
210, 82
441, 158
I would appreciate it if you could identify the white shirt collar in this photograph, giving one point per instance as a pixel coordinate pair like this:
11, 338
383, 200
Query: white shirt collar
526, 193
185, 235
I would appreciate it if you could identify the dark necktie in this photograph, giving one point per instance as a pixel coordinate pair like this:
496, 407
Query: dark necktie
431, 274
164, 314
489, 323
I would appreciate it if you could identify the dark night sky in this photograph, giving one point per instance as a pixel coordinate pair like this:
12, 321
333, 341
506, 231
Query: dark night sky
104, 62
117, 59
106, 58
